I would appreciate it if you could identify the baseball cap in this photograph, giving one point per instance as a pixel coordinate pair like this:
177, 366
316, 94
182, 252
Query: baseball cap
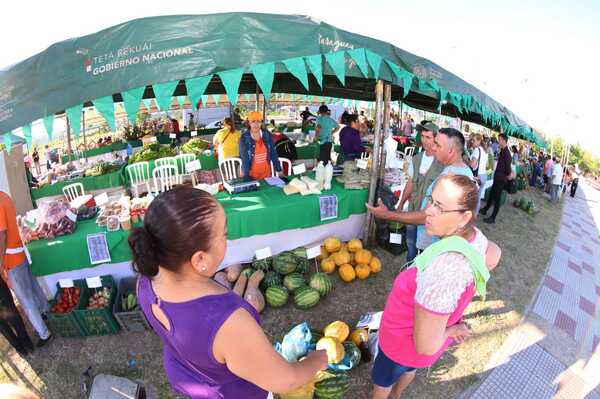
429, 126
255, 116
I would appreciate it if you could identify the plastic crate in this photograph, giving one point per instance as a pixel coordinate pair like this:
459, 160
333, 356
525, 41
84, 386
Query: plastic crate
98, 321
66, 324
131, 321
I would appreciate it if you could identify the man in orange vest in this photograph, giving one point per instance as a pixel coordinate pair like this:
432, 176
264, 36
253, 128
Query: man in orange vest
14, 262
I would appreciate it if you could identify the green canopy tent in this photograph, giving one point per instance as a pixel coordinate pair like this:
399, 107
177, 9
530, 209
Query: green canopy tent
231, 53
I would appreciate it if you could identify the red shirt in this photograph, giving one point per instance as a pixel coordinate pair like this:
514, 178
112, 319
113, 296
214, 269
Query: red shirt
261, 168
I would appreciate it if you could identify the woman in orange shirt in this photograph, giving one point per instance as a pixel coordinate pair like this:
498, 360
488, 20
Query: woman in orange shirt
257, 150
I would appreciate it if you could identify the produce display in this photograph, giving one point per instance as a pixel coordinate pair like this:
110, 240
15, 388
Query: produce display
246, 284
195, 145
120, 207
102, 168
53, 219
333, 385
129, 302
526, 205
151, 152
67, 300
99, 299
351, 259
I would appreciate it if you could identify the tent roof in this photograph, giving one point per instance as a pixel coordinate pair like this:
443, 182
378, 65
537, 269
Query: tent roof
147, 51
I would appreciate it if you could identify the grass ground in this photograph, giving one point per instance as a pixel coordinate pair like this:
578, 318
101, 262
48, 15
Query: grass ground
526, 242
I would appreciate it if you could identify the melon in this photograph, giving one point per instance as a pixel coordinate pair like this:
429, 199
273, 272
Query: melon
338, 330
332, 244
262, 264
321, 282
351, 358
276, 296
333, 387
306, 297
247, 272
301, 260
285, 263
334, 349
271, 279
293, 281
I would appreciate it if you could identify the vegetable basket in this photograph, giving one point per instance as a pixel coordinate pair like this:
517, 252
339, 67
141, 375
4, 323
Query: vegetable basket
66, 324
98, 321
132, 320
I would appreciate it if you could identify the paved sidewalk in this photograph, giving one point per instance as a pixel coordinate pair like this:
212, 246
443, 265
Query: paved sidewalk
555, 352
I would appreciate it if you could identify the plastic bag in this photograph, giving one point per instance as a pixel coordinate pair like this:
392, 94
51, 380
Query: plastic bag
296, 343
55, 219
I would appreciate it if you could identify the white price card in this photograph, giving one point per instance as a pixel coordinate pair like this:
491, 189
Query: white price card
101, 199
396, 238
192, 166
362, 163
98, 248
299, 169
263, 253
72, 217
172, 136
328, 207
65, 283
152, 139
93, 282
194, 133
313, 252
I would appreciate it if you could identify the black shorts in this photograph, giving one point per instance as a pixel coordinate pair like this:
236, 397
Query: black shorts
545, 179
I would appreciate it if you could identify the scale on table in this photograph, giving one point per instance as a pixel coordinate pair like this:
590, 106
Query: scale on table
237, 186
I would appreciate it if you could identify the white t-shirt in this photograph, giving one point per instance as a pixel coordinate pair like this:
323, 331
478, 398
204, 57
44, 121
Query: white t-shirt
482, 161
426, 162
557, 173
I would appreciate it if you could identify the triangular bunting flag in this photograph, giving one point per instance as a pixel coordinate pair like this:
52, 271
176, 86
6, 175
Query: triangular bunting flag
49, 125
374, 61
405, 76
27, 134
297, 68
106, 107
8, 142
195, 89
204, 99
264, 74
163, 94
147, 103
74, 116
315, 63
131, 102
181, 101
360, 57
231, 81
337, 62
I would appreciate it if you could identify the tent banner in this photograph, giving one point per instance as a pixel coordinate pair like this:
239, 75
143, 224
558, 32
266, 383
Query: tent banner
49, 125
74, 117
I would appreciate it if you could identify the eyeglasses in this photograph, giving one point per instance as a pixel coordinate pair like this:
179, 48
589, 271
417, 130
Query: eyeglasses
438, 208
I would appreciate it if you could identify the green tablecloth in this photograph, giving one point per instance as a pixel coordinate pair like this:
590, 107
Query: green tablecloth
310, 151
265, 211
114, 179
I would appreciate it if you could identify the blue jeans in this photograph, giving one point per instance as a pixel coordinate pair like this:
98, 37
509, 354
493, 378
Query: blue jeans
31, 297
554, 192
411, 242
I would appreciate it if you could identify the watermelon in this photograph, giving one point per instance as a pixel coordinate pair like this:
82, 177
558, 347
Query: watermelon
271, 279
306, 297
301, 260
285, 263
351, 358
247, 272
334, 387
293, 281
321, 282
276, 296
522, 203
516, 203
263, 264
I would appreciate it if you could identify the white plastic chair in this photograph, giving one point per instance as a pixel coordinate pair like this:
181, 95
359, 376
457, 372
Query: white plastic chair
286, 164
230, 168
73, 191
365, 155
409, 151
172, 161
139, 174
165, 177
181, 161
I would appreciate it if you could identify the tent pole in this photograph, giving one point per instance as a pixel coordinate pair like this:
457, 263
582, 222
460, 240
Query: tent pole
69, 151
387, 102
256, 103
370, 222
83, 132
264, 109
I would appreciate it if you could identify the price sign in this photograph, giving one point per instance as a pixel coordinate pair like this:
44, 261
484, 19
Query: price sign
98, 248
101, 199
194, 133
263, 253
396, 238
299, 169
192, 166
313, 252
72, 217
172, 136
328, 207
93, 282
65, 283
362, 163
152, 139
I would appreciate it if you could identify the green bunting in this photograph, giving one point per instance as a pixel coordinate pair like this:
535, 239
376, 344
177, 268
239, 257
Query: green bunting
231, 81
195, 89
315, 63
337, 62
374, 61
8, 142
297, 68
27, 134
49, 125
131, 102
147, 103
204, 98
403, 75
264, 74
181, 101
360, 57
163, 94
106, 107
74, 116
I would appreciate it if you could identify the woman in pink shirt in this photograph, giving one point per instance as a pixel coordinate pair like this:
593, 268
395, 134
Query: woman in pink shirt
423, 312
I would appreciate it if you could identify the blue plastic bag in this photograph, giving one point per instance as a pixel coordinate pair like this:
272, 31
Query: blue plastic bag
296, 343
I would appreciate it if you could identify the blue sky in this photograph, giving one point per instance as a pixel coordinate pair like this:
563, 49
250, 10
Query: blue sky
542, 62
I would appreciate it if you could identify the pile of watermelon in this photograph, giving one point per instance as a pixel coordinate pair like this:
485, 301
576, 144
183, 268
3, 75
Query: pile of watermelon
287, 275
526, 205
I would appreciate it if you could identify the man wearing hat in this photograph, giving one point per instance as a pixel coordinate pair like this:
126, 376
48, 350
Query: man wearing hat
257, 150
326, 125
423, 170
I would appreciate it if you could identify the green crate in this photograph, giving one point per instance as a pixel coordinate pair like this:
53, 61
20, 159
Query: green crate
66, 324
98, 321
132, 321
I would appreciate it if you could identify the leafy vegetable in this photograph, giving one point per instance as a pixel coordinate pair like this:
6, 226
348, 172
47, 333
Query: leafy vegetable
152, 151
195, 146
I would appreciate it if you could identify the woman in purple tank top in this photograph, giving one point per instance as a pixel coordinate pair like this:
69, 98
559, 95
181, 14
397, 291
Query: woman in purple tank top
214, 346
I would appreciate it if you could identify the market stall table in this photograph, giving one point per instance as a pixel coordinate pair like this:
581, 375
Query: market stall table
90, 183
